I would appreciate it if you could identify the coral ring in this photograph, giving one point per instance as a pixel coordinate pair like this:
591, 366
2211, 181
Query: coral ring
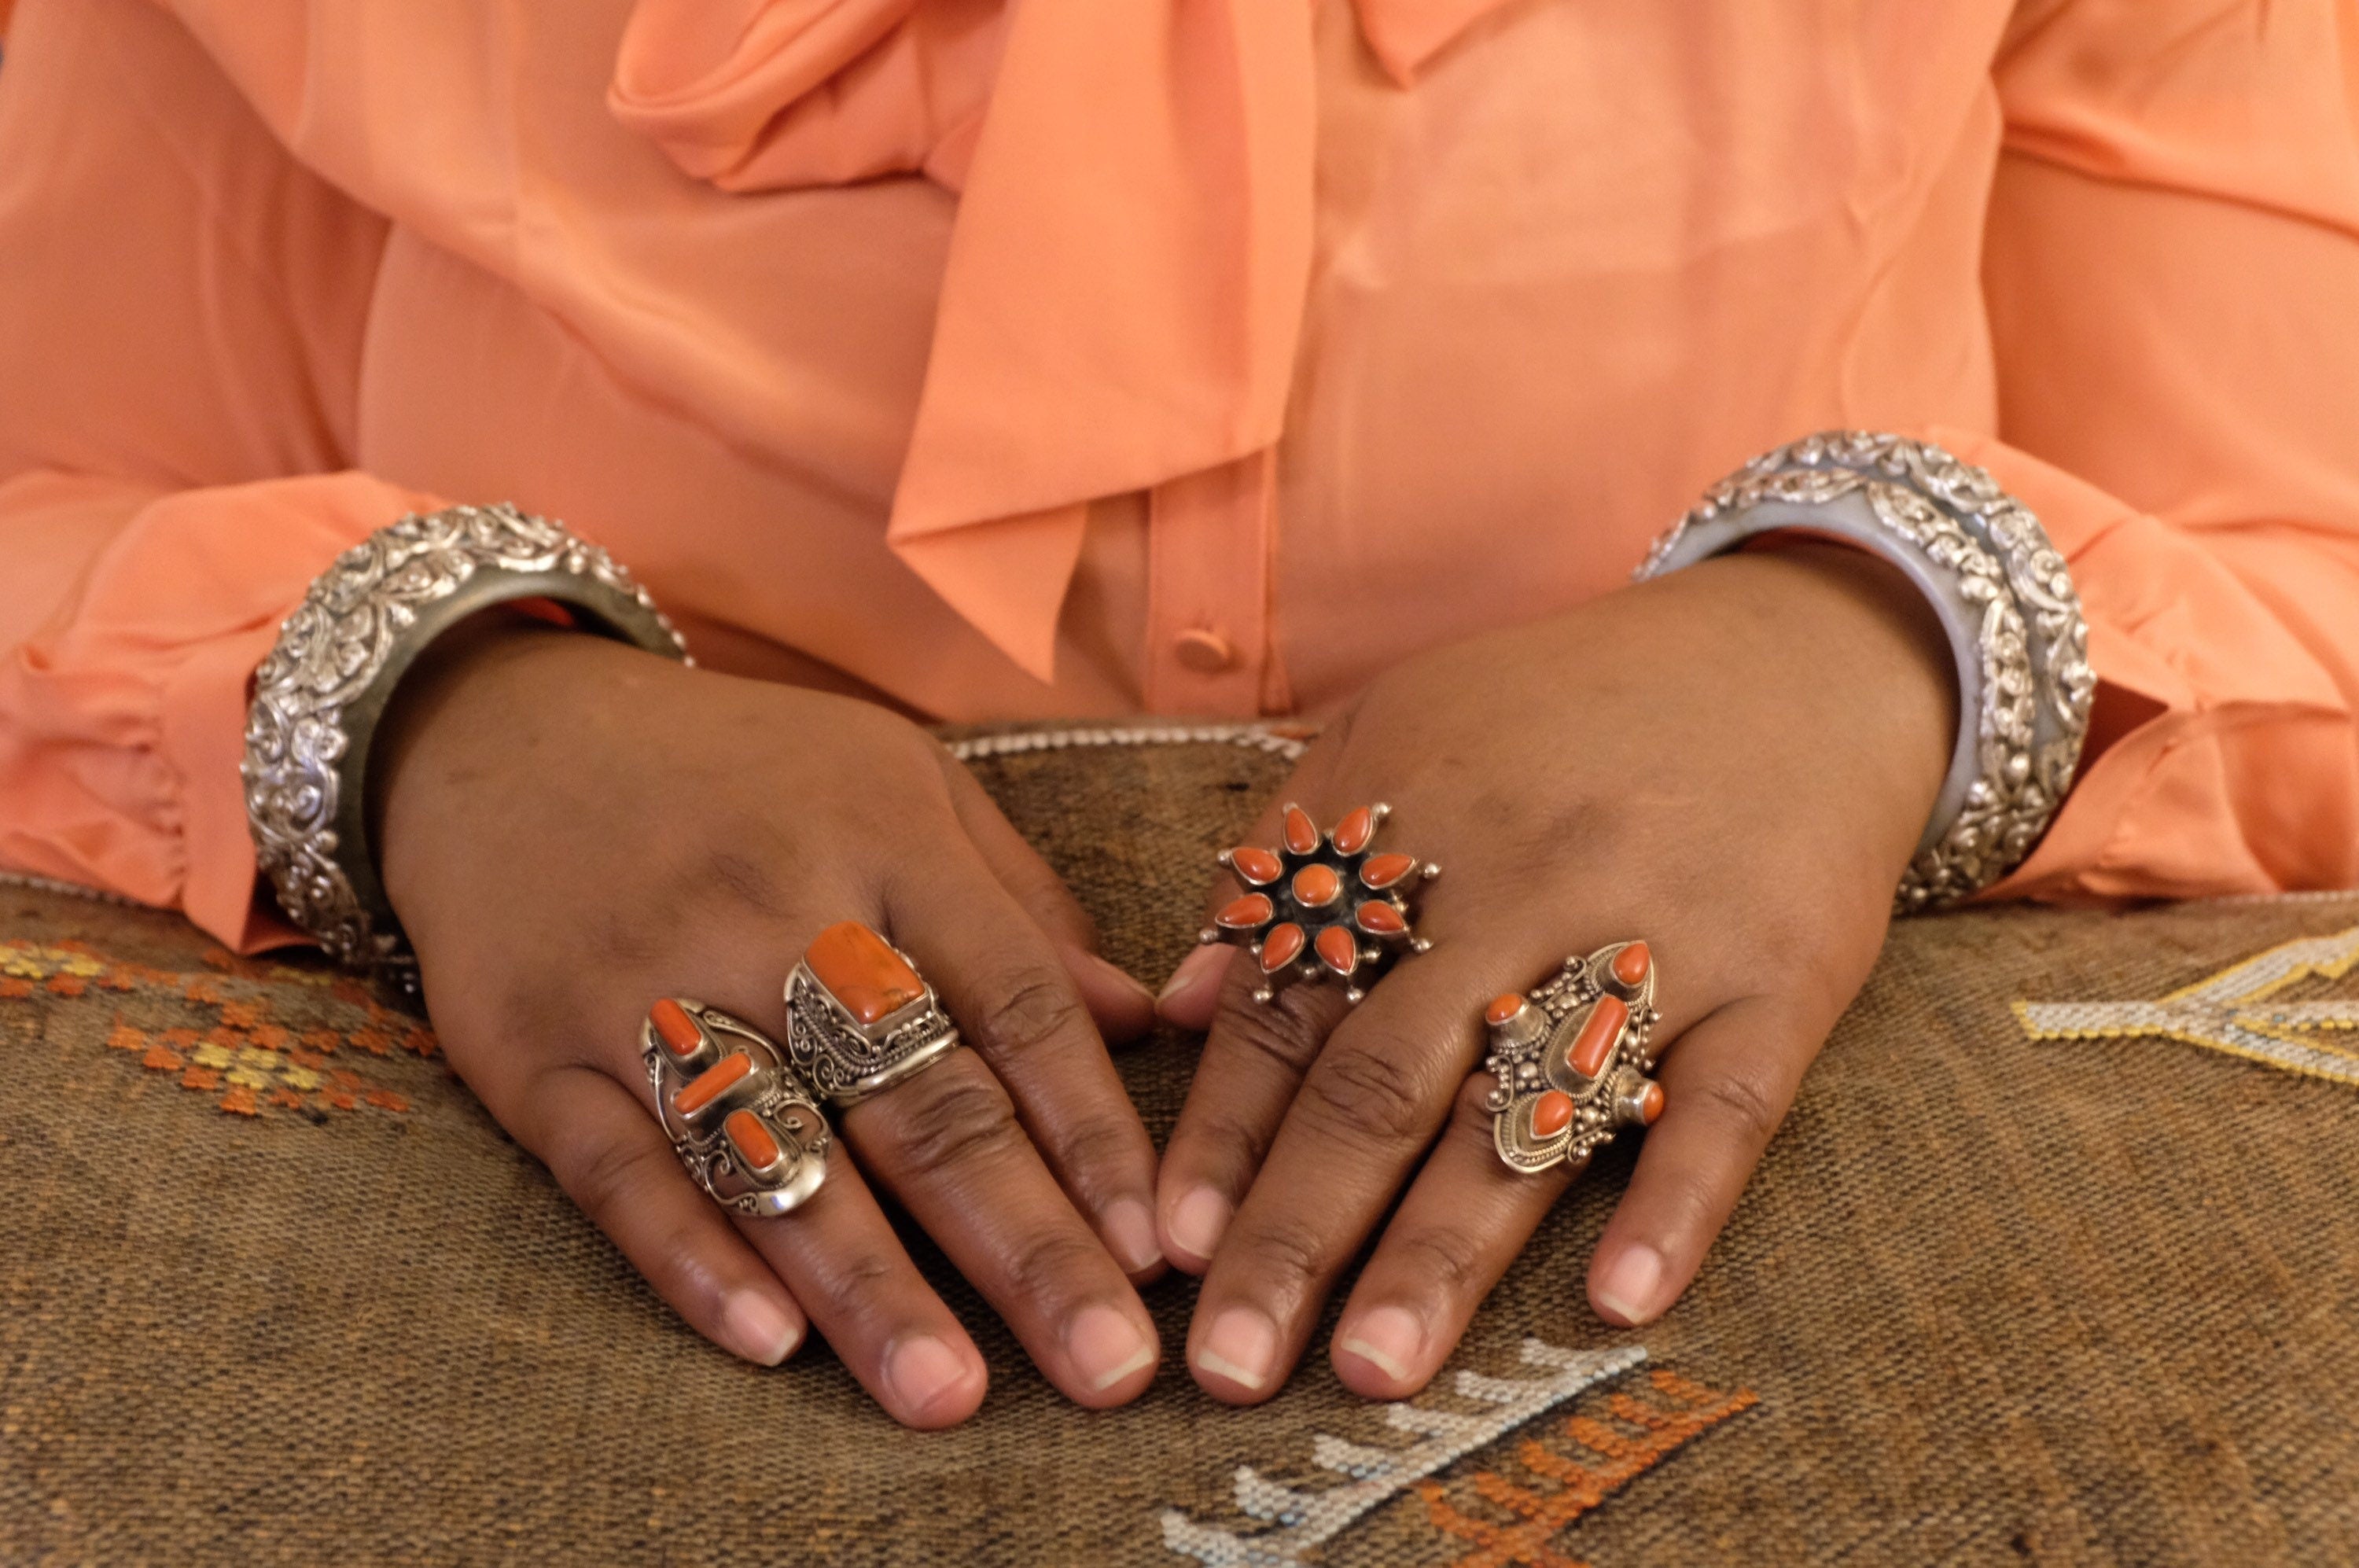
1322, 906
860, 1018
741, 1120
1571, 1058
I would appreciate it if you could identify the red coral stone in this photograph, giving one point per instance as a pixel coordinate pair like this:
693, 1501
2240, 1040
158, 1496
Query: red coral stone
1380, 919
713, 1083
1316, 886
1503, 1009
1255, 868
1244, 914
1650, 1103
1281, 947
1352, 833
1551, 1114
1595, 1044
1630, 964
751, 1139
1338, 951
861, 970
675, 1028
1381, 871
1301, 832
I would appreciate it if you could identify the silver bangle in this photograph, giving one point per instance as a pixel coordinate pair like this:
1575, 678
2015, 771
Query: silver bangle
2017, 636
318, 696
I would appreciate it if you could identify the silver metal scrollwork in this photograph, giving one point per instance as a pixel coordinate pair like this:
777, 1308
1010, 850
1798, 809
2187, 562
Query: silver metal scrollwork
319, 694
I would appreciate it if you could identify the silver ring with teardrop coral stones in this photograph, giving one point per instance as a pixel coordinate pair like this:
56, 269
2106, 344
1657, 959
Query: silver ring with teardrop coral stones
1321, 905
1572, 1059
745, 1125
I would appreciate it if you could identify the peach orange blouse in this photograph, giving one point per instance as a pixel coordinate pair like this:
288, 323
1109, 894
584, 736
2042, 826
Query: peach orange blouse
1065, 357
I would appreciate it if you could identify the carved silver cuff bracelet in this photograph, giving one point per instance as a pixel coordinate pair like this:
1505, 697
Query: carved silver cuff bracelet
318, 696
2016, 632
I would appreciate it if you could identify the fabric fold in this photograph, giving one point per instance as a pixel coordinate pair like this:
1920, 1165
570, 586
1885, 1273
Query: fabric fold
1133, 244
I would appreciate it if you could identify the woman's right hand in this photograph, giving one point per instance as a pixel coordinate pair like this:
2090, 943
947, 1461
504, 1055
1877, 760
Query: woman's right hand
570, 828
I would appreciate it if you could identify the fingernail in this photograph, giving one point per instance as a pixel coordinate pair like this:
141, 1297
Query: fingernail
1628, 1286
758, 1329
1242, 1346
1130, 1231
1199, 1220
1391, 1338
1120, 975
1106, 1346
922, 1372
1199, 969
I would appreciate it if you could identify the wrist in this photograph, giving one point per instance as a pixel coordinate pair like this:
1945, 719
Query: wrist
1865, 654
484, 686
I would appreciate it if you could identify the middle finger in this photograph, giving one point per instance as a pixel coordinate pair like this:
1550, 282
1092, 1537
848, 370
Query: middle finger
946, 1143
1367, 1110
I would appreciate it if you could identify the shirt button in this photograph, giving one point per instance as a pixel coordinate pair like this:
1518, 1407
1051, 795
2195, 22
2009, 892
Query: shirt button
1205, 652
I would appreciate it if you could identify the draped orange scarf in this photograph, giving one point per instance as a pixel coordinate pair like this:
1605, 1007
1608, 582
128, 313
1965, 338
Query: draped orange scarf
1127, 274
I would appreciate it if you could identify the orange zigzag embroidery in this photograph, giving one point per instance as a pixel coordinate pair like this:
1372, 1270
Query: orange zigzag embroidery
1641, 1434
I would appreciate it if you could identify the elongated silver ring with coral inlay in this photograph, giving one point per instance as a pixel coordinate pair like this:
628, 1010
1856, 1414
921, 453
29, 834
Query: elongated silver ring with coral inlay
747, 1129
1572, 1059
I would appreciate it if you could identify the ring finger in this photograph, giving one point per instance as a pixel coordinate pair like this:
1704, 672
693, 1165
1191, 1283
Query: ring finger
947, 1145
834, 1260
1466, 1218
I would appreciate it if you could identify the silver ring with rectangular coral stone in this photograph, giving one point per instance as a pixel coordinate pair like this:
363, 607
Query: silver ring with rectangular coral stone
1571, 1060
741, 1120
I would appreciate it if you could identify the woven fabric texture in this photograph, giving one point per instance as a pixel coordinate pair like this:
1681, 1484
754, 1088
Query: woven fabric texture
275, 1289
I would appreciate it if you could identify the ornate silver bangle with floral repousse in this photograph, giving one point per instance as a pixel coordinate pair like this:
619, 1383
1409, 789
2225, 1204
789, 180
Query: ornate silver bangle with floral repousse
319, 694
2007, 602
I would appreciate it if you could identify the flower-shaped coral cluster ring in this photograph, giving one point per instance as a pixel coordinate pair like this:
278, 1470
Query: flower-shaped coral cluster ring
1322, 905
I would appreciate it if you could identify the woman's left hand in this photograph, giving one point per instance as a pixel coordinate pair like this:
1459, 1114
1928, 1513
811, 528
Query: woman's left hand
1732, 763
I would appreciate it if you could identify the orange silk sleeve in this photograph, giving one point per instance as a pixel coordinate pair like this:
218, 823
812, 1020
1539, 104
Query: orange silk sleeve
177, 363
2172, 269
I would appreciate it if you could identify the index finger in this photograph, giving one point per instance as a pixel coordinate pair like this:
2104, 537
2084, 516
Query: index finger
1369, 1108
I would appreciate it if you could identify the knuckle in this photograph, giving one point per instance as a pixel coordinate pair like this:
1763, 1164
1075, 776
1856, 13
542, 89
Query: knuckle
862, 1283
1047, 1265
1742, 1100
1276, 1031
1445, 1259
620, 937
1285, 1253
1024, 1009
962, 1121
1095, 1144
749, 881
1367, 1095
1224, 1143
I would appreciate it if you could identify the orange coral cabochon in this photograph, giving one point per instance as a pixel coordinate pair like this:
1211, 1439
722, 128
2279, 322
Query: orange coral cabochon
1633, 964
863, 972
675, 1028
1352, 833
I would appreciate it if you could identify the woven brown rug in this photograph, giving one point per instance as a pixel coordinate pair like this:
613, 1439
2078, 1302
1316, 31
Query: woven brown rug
273, 1289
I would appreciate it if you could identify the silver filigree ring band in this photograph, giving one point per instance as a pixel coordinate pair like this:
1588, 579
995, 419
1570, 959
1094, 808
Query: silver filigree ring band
745, 1125
860, 1018
2006, 601
319, 694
